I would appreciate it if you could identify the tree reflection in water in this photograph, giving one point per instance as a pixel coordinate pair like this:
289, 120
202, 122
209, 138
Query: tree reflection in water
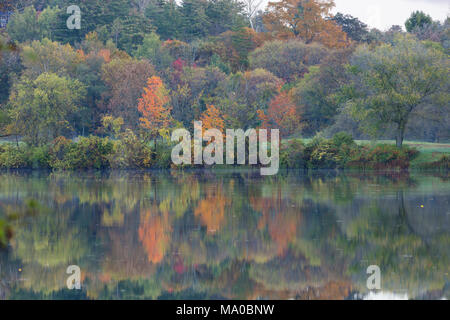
235, 235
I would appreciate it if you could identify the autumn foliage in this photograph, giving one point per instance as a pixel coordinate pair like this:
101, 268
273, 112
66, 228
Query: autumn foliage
212, 119
281, 227
306, 20
281, 114
105, 54
154, 106
211, 210
154, 233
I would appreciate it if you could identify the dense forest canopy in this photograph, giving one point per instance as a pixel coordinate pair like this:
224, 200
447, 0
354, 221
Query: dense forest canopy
152, 65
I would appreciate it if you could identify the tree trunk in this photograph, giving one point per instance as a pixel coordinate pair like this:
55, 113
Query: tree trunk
400, 134
251, 23
403, 214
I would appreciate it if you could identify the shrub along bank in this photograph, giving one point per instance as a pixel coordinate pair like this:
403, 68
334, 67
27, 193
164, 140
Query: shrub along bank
131, 152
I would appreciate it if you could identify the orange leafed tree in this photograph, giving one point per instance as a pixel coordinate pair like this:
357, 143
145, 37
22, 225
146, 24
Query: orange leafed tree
265, 123
81, 54
154, 106
306, 20
212, 119
281, 114
105, 54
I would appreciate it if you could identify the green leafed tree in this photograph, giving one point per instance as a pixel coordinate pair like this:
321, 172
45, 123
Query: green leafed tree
352, 26
288, 60
195, 22
317, 95
152, 50
28, 25
49, 21
166, 17
44, 108
394, 82
24, 25
418, 19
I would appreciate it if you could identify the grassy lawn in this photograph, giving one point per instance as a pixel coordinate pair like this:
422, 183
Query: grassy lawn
429, 152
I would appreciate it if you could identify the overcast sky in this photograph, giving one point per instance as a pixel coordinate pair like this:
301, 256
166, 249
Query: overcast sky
382, 14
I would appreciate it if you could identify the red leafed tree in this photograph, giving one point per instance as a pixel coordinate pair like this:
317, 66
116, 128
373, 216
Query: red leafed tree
281, 114
154, 107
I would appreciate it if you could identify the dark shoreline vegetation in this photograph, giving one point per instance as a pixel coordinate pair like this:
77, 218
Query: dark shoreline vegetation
339, 152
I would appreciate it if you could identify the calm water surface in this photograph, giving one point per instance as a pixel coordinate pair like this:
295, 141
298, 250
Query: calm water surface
225, 235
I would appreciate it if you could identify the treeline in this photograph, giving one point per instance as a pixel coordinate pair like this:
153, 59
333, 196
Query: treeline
140, 68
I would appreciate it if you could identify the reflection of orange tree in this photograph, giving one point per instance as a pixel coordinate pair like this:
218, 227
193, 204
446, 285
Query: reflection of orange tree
211, 210
154, 233
280, 217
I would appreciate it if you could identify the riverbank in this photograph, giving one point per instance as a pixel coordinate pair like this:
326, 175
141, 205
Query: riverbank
129, 152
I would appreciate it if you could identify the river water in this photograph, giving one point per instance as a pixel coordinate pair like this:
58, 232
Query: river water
225, 235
